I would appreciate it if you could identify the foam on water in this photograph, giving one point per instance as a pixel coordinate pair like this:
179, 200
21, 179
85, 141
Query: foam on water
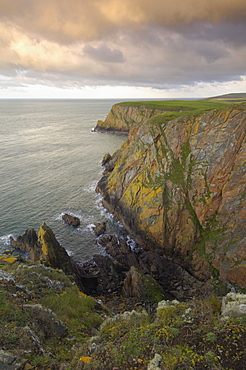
5, 242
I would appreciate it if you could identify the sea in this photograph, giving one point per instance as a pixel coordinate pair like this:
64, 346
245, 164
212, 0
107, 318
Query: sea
50, 162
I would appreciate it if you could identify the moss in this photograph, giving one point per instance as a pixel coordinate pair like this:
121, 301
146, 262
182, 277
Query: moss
153, 291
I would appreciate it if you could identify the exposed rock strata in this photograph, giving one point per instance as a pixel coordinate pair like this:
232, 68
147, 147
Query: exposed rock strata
179, 187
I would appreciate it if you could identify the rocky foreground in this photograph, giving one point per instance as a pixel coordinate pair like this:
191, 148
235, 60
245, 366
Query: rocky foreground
49, 322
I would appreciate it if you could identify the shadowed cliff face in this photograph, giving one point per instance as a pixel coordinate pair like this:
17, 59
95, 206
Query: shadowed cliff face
179, 186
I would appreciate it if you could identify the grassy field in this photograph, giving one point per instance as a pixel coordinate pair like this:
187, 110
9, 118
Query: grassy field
190, 105
178, 105
178, 108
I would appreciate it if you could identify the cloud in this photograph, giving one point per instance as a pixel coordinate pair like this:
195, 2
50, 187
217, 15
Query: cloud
76, 20
103, 53
158, 43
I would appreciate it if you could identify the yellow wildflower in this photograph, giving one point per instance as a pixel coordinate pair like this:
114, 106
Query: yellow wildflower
86, 359
82, 294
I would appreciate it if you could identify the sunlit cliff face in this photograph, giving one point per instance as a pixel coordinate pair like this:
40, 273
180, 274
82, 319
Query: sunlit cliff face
158, 44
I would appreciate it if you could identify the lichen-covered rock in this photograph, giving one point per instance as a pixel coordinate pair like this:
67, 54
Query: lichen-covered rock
179, 186
233, 305
155, 362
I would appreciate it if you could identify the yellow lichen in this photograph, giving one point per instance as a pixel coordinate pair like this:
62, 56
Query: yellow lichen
10, 259
41, 234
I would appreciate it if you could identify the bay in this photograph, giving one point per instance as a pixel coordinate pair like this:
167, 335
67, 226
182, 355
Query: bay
50, 162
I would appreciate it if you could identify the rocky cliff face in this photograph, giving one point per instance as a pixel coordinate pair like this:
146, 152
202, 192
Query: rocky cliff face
121, 117
179, 186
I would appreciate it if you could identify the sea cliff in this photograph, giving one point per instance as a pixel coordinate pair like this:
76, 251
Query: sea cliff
122, 116
178, 186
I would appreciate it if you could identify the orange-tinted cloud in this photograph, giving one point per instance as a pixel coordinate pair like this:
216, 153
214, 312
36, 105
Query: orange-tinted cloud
73, 20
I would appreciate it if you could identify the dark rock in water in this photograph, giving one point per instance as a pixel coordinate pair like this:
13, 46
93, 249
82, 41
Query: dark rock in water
28, 242
99, 228
71, 220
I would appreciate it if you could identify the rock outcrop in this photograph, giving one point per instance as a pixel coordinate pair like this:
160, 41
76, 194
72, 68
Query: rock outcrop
71, 220
122, 116
28, 242
53, 253
142, 286
99, 228
178, 186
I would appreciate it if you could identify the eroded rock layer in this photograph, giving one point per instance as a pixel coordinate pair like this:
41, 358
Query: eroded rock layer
179, 187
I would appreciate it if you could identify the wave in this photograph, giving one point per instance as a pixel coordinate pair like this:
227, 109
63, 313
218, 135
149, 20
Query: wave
5, 242
5, 239
90, 188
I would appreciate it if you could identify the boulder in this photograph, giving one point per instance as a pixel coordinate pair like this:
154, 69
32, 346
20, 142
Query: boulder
142, 286
99, 228
71, 220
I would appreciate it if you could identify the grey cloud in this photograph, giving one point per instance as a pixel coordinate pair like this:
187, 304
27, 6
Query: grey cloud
103, 53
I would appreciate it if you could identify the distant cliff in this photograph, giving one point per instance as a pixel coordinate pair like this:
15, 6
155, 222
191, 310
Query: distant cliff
179, 186
121, 117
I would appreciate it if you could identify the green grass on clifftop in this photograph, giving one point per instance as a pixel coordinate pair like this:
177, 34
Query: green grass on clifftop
178, 105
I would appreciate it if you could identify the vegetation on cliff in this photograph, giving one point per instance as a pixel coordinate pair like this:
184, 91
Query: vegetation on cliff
47, 323
43, 316
123, 115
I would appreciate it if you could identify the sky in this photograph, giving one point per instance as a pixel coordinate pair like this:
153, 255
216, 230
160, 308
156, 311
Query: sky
122, 48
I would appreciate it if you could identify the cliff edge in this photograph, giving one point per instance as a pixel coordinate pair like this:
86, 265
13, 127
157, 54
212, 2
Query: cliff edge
178, 186
122, 116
